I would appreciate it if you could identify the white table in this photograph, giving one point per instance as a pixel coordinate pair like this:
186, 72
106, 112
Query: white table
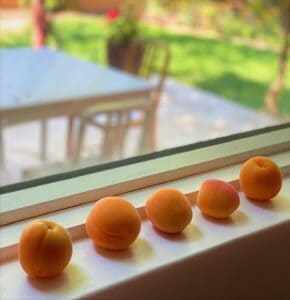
44, 83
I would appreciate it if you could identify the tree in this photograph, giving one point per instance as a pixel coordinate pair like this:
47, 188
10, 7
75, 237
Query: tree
275, 88
264, 10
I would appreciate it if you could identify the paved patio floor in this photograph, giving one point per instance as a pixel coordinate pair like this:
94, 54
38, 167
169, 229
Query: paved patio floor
185, 116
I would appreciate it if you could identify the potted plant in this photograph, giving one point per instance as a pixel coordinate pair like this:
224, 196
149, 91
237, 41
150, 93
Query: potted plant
125, 49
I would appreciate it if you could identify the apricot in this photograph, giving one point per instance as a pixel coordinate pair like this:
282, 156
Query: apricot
45, 248
217, 199
260, 178
113, 223
169, 210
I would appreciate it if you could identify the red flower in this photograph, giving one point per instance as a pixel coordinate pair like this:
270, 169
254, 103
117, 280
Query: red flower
112, 14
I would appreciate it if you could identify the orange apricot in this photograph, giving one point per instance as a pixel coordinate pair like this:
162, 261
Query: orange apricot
169, 210
217, 199
45, 248
260, 178
113, 223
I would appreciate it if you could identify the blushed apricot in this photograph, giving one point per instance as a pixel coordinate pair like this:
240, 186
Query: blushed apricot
260, 178
217, 199
169, 210
113, 223
45, 248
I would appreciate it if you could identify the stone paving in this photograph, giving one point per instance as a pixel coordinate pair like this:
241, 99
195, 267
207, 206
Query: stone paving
185, 116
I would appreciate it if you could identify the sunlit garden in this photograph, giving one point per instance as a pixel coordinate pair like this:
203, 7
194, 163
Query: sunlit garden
109, 80
234, 57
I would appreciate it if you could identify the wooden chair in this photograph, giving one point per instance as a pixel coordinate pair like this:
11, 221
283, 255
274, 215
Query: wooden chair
114, 133
115, 123
120, 116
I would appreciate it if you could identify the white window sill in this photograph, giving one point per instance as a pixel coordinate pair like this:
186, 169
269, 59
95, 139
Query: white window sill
156, 259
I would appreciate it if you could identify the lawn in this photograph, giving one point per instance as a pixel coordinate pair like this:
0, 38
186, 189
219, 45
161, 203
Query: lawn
239, 73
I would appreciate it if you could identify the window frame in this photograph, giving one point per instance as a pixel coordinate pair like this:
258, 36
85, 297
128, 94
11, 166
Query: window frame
45, 195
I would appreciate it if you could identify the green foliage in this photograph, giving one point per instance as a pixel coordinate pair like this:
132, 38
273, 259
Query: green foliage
217, 18
174, 4
123, 30
265, 9
231, 26
50, 5
15, 40
54, 4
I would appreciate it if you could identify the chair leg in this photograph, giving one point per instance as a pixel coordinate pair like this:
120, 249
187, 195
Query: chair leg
124, 126
152, 131
117, 131
147, 138
43, 140
70, 143
79, 141
107, 147
2, 158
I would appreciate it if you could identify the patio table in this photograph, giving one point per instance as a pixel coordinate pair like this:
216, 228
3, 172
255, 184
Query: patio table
45, 83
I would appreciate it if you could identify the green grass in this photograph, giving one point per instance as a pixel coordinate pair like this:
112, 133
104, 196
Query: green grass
219, 19
239, 73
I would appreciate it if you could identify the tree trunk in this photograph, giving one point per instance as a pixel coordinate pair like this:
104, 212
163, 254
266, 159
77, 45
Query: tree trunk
275, 88
237, 6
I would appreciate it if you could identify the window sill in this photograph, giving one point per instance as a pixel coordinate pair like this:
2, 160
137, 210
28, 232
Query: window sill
156, 263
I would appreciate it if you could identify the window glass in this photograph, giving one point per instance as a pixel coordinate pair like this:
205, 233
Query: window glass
100, 82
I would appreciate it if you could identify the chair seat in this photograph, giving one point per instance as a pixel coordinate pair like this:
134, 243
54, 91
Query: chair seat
98, 115
136, 116
119, 106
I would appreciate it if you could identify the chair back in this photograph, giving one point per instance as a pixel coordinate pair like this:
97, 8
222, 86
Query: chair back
155, 60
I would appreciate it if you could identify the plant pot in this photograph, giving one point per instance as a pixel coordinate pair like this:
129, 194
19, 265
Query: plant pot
126, 57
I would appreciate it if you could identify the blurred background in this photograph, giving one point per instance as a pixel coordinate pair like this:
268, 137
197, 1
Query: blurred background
221, 69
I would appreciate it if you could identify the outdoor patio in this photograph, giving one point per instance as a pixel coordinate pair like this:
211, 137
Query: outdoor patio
216, 81
185, 116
